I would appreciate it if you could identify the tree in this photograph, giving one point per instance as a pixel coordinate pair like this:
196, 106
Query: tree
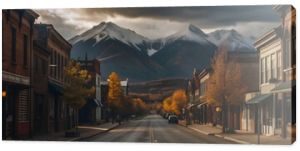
139, 106
167, 102
225, 86
179, 100
175, 102
114, 93
75, 88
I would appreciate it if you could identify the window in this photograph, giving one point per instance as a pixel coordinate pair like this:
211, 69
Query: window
279, 65
55, 63
13, 45
288, 54
273, 66
51, 63
268, 69
25, 50
58, 66
263, 71
61, 67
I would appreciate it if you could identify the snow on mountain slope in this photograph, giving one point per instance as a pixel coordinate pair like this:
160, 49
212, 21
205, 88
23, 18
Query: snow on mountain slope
110, 30
151, 51
189, 33
231, 39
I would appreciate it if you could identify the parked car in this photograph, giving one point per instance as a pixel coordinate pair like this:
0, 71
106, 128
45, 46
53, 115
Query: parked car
166, 115
173, 119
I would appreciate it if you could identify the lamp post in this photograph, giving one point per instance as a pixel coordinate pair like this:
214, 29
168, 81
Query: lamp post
4, 94
218, 110
184, 116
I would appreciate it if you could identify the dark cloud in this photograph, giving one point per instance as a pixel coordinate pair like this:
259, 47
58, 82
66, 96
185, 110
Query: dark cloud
206, 16
163, 20
67, 30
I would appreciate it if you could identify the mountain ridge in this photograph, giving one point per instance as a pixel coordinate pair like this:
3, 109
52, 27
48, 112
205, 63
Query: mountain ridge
140, 58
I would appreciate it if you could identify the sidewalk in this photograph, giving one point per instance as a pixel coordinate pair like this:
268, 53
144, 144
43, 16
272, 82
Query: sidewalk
241, 137
85, 132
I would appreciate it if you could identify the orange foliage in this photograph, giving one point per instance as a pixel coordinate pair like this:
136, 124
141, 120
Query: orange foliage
225, 83
176, 102
114, 91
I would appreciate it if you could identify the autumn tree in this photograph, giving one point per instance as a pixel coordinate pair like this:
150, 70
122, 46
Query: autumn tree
126, 107
175, 102
158, 107
139, 106
225, 86
167, 102
114, 93
179, 101
75, 88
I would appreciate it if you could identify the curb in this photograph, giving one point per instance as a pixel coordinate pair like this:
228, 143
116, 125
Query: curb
86, 137
217, 135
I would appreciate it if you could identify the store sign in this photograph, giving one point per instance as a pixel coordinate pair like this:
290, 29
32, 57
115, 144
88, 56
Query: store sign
10, 77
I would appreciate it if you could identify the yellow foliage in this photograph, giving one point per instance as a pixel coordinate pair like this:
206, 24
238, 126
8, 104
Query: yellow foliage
225, 82
75, 88
114, 91
139, 106
167, 104
176, 102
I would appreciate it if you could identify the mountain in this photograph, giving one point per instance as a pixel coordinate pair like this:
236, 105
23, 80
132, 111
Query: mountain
231, 40
139, 58
183, 51
119, 49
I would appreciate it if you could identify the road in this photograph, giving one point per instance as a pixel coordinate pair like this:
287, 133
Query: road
155, 129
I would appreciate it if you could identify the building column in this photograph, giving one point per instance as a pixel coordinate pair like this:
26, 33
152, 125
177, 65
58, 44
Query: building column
283, 117
274, 113
247, 117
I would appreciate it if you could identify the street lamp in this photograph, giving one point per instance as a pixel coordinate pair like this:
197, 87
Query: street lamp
218, 109
4, 93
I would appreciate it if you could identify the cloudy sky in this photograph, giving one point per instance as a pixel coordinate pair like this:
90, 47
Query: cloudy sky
157, 22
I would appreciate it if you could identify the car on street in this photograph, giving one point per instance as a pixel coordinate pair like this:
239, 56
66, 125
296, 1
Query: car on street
173, 119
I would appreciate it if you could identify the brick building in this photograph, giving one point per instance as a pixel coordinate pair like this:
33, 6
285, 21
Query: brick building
17, 42
50, 43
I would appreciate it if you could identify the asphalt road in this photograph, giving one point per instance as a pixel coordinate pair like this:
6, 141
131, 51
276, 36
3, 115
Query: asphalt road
155, 129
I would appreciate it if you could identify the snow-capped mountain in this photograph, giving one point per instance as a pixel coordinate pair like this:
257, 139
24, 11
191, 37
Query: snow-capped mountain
139, 58
120, 50
183, 51
189, 33
110, 30
230, 39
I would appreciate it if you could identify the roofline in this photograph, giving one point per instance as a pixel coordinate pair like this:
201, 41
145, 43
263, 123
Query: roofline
32, 13
261, 38
60, 36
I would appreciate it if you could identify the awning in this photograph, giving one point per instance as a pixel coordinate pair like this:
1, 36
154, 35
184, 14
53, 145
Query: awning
189, 106
259, 99
201, 104
98, 102
55, 88
284, 87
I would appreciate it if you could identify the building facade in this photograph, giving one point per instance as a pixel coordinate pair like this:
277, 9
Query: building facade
204, 112
274, 104
59, 115
269, 47
17, 42
40, 85
91, 112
